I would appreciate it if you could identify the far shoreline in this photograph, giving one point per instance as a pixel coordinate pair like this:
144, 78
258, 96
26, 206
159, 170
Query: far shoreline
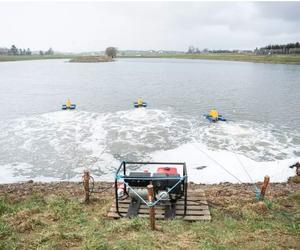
269, 59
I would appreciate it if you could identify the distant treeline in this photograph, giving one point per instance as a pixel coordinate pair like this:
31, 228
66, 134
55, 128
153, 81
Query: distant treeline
289, 48
195, 50
14, 51
282, 46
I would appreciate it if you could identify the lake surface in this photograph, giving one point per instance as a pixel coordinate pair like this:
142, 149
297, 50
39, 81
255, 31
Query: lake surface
39, 141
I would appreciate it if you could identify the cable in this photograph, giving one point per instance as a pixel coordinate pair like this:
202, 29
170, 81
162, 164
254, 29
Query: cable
102, 190
243, 166
91, 190
256, 189
218, 164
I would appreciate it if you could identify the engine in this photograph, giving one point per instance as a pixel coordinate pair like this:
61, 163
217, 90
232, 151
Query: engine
163, 181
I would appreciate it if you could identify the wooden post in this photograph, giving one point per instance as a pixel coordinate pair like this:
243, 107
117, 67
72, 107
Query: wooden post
86, 185
264, 187
152, 209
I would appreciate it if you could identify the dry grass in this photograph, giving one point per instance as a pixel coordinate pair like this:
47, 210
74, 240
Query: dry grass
282, 59
91, 59
52, 216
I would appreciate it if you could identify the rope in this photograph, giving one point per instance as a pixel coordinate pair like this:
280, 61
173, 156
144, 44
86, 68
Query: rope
256, 189
181, 179
103, 190
91, 190
219, 164
243, 166
141, 198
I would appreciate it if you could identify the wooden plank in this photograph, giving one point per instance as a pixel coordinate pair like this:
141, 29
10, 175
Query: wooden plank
178, 207
115, 215
197, 208
162, 211
186, 218
179, 202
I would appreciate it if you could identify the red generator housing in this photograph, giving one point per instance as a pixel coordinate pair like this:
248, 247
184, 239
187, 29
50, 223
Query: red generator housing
167, 170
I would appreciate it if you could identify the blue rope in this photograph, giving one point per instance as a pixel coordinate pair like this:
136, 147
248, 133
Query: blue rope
257, 192
169, 191
141, 198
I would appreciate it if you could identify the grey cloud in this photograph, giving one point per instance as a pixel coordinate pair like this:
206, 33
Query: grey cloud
287, 11
83, 26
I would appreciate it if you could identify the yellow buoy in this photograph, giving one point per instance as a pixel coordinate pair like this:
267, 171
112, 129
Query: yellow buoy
214, 113
140, 101
68, 103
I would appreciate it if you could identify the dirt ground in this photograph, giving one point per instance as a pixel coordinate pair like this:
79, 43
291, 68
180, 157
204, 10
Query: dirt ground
223, 194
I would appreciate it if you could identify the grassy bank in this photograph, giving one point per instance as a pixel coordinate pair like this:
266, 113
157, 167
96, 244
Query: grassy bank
283, 59
34, 57
52, 216
91, 59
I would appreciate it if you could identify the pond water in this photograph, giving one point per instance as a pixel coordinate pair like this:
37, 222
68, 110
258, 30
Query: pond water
41, 142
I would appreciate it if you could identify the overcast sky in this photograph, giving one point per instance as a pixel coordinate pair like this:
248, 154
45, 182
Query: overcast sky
90, 26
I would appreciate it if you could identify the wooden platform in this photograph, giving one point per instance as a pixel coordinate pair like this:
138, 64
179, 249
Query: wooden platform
197, 208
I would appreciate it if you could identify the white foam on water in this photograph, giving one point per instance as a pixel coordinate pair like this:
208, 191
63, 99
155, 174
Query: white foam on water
203, 165
60, 145
260, 142
10, 172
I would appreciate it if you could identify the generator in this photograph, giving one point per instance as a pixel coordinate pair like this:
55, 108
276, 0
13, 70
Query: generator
169, 181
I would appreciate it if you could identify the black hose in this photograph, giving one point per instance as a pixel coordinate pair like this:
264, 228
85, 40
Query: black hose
102, 190
91, 190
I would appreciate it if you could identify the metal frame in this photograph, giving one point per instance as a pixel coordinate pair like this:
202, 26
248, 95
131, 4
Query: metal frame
123, 168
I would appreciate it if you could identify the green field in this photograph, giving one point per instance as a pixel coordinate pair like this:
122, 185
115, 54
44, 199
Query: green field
34, 57
53, 216
283, 59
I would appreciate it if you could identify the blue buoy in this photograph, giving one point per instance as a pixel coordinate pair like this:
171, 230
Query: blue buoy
211, 119
143, 105
64, 106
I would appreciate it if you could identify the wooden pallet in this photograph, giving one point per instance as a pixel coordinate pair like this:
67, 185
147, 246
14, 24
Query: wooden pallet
197, 208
